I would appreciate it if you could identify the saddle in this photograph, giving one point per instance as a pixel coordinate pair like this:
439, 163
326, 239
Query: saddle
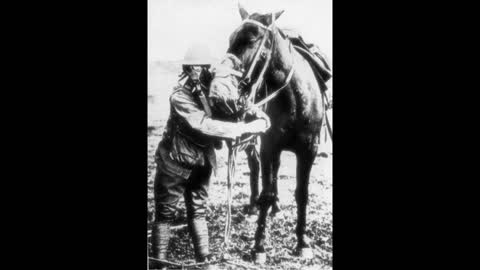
312, 54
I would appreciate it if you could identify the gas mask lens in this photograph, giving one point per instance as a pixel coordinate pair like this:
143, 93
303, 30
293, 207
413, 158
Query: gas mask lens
194, 72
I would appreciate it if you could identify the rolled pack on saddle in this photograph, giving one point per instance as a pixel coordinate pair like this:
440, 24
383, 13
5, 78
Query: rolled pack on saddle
313, 55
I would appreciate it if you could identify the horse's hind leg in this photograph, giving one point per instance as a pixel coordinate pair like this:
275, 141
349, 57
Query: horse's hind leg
304, 165
275, 167
254, 164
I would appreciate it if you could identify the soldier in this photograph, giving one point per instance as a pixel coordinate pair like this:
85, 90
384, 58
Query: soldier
185, 157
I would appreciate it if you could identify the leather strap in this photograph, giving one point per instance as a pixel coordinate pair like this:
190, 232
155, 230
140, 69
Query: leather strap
329, 127
205, 104
274, 94
256, 23
255, 60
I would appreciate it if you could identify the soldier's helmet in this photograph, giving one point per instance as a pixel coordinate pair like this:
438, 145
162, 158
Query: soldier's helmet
198, 55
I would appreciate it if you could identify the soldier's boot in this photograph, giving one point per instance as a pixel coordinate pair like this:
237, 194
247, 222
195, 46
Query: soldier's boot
199, 233
160, 240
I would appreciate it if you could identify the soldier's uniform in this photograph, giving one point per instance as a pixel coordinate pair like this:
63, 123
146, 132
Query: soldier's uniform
185, 158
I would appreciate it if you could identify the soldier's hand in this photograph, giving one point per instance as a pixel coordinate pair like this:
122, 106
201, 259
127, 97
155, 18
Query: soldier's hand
257, 113
253, 112
258, 126
262, 115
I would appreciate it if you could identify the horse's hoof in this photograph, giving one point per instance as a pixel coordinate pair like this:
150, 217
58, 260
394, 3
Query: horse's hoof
323, 155
273, 213
275, 210
260, 257
252, 210
157, 266
305, 253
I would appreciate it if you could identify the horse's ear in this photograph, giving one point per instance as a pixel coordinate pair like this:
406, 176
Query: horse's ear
243, 12
268, 18
278, 14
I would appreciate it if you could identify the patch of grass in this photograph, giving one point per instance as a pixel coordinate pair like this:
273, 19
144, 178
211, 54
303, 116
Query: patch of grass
280, 232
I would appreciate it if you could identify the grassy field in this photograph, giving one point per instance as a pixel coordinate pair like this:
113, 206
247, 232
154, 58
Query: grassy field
281, 239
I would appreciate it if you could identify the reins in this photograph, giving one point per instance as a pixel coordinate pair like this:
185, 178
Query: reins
258, 83
274, 94
247, 77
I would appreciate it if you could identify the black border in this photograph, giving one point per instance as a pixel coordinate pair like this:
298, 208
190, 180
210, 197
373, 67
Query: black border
82, 152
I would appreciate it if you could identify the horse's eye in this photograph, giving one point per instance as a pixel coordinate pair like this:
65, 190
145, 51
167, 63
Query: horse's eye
252, 42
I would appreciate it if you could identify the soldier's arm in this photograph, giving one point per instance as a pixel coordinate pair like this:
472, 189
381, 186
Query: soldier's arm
184, 105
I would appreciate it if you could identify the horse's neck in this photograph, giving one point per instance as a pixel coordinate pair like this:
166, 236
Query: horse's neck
281, 62
286, 58
295, 94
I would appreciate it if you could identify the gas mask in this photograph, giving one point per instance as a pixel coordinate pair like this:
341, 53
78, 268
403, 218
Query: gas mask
199, 79
224, 92
198, 75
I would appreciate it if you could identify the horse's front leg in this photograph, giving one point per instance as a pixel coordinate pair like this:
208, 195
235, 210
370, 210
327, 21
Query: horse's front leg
266, 199
253, 159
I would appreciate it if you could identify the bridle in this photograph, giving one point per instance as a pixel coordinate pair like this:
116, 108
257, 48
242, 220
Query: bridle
246, 80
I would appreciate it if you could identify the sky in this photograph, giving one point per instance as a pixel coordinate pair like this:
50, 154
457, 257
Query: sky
174, 25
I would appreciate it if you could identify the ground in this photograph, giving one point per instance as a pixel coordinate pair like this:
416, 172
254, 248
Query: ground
281, 238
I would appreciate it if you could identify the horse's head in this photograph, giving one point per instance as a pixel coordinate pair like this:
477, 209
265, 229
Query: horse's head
246, 40
251, 44
224, 96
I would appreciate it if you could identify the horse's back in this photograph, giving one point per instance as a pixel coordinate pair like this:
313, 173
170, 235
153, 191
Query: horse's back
308, 91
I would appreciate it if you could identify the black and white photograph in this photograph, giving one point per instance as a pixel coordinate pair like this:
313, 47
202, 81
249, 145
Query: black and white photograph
240, 127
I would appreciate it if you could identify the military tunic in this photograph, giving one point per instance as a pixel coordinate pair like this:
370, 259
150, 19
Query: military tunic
185, 157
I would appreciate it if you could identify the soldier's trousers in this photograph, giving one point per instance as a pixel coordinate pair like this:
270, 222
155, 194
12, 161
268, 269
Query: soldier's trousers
169, 188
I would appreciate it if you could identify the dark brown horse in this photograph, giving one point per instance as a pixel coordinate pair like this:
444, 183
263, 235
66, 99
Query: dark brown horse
296, 112
224, 96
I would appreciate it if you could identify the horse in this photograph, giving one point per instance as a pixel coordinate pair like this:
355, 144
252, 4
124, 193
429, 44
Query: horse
287, 84
223, 95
